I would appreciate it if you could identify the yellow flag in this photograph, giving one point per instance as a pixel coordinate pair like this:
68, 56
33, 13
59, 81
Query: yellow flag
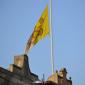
40, 31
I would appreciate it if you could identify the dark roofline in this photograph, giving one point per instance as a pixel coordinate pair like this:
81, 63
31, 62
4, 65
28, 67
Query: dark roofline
69, 80
33, 74
16, 66
2, 70
50, 83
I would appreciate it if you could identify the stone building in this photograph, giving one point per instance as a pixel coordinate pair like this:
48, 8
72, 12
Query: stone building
18, 73
60, 78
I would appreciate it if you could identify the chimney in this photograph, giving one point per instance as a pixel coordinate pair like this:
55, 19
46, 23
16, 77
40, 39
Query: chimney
22, 62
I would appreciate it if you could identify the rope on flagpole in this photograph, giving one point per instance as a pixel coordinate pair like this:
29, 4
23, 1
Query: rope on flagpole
51, 38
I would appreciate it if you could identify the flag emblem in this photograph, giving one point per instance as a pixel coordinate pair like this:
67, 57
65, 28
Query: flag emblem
41, 29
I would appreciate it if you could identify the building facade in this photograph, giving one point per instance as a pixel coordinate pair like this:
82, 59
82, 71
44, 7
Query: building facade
19, 74
60, 78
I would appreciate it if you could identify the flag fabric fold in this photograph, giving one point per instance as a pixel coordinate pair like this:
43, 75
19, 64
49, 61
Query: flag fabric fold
41, 30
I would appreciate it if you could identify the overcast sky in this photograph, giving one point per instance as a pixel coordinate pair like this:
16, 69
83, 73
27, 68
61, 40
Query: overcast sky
17, 21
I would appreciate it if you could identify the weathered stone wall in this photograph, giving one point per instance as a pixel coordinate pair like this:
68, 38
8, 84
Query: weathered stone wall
3, 81
60, 78
18, 73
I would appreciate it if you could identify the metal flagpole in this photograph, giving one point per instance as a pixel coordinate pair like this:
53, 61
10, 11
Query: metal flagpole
51, 38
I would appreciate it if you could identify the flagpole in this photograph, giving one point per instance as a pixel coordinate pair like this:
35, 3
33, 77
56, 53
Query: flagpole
51, 38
